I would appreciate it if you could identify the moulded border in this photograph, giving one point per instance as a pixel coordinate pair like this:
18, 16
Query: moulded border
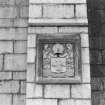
78, 65
58, 22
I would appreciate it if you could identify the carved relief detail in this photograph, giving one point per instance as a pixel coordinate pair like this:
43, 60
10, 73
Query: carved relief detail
58, 60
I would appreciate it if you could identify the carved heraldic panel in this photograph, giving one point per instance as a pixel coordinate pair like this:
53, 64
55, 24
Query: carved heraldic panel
58, 59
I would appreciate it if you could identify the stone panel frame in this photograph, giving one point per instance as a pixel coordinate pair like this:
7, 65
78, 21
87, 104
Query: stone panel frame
54, 38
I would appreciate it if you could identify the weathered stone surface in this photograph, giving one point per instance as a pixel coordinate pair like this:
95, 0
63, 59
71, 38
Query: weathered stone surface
6, 46
102, 30
101, 15
6, 23
97, 33
95, 57
75, 102
23, 12
19, 100
20, 22
58, 1
85, 55
19, 75
35, 11
12, 19
22, 2
84, 40
34, 90
81, 91
1, 62
73, 29
98, 70
8, 12
91, 42
7, 2
20, 33
60, 22
42, 30
96, 4
86, 73
98, 98
5, 99
41, 102
103, 42
15, 62
31, 53
13, 34
103, 82
20, 46
57, 91
9, 87
97, 84
96, 43
5, 75
31, 40
23, 87
81, 11
30, 72
58, 11
103, 56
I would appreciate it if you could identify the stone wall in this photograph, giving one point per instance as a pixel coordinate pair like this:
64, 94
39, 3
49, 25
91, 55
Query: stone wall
50, 17
96, 16
13, 39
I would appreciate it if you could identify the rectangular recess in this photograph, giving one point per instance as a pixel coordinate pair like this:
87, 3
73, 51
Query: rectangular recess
64, 50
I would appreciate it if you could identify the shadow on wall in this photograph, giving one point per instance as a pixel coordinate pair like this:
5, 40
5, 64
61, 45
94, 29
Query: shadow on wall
96, 18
